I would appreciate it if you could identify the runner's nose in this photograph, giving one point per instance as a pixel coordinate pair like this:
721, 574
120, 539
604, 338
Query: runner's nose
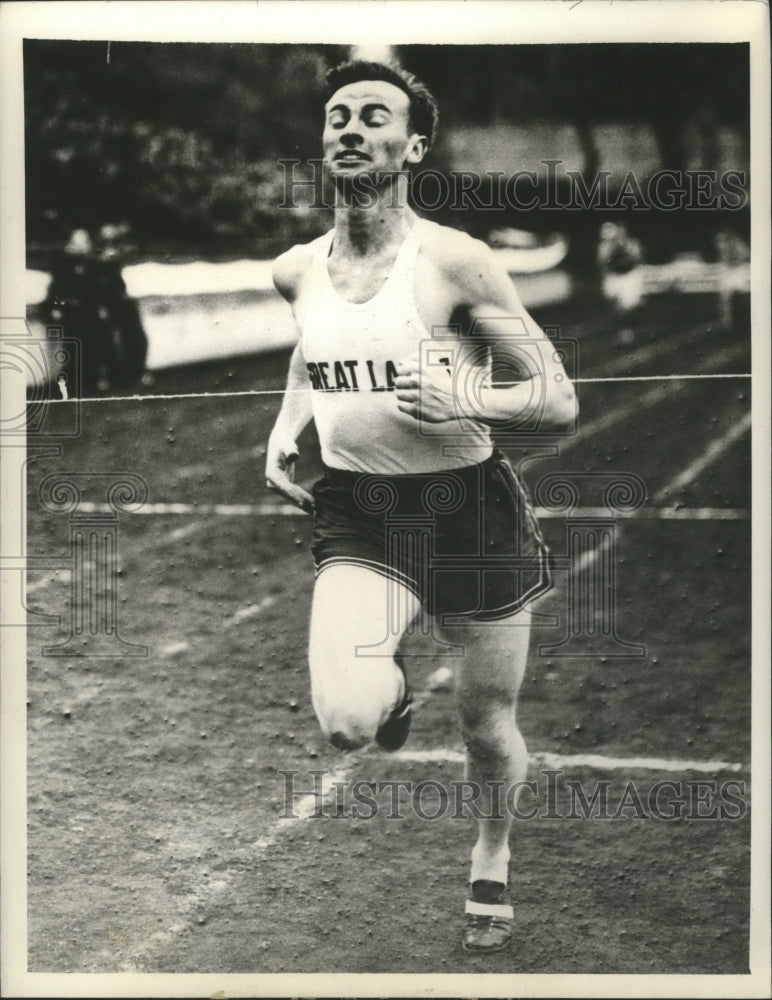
351, 137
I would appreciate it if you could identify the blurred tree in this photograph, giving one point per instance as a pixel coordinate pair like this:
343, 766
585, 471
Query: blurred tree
665, 85
183, 140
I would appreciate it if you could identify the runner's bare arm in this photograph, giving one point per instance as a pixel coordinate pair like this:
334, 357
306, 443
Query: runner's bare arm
490, 309
295, 412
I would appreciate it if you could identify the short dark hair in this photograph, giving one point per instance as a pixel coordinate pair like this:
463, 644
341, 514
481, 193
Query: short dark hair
423, 114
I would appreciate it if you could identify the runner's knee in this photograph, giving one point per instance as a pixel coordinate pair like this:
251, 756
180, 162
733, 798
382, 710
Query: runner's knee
488, 725
346, 725
349, 710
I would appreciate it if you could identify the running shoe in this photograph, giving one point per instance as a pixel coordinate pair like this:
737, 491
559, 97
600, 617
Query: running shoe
489, 917
393, 732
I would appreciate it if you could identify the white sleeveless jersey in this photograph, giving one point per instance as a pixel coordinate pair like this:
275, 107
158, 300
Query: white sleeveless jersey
351, 351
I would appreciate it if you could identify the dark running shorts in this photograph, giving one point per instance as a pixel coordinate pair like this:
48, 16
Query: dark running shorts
465, 541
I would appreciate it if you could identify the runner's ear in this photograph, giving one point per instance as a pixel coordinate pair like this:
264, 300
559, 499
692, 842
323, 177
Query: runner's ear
417, 148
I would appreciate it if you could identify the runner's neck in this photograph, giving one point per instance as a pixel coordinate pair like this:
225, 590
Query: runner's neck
368, 231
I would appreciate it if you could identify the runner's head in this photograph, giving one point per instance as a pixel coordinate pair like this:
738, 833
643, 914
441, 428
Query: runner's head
79, 243
377, 118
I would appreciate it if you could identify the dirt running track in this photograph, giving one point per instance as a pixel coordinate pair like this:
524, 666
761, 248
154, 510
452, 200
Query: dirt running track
157, 841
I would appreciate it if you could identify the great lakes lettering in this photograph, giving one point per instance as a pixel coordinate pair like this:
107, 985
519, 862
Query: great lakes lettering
344, 376
351, 376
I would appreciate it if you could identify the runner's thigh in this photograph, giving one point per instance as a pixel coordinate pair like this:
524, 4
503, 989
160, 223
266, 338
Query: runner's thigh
358, 617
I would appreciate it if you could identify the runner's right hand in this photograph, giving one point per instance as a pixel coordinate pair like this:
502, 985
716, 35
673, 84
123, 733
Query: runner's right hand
280, 473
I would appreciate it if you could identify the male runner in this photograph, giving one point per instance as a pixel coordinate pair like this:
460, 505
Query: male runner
397, 316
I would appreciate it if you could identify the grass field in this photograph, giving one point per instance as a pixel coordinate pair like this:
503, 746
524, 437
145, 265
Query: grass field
156, 835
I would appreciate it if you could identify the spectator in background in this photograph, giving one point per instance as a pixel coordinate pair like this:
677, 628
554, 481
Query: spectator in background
734, 256
128, 335
75, 302
619, 258
87, 297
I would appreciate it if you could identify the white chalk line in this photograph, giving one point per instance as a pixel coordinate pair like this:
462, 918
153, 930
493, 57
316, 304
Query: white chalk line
64, 576
592, 555
289, 510
250, 611
186, 908
184, 532
305, 805
309, 803
676, 513
632, 356
303, 808
653, 513
244, 614
204, 509
173, 649
596, 761
52, 576
631, 408
714, 450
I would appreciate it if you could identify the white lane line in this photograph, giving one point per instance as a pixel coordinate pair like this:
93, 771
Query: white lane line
243, 614
172, 648
631, 408
633, 763
714, 451
659, 348
184, 532
653, 513
57, 576
250, 611
194, 907
305, 804
203, 509
289, 510
178, 534
598, 761
591, 555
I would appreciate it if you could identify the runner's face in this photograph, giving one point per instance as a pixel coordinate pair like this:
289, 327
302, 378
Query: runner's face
366, 130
